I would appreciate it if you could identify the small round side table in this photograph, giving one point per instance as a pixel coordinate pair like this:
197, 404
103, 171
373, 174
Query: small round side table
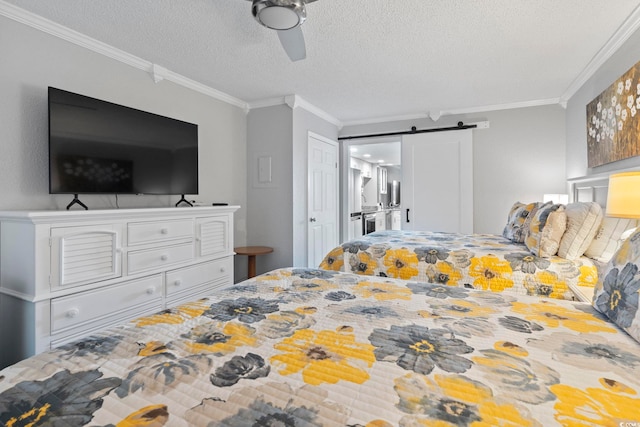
252, 251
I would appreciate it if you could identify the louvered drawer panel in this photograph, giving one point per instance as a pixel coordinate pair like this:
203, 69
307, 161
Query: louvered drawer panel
84, 254
213, 236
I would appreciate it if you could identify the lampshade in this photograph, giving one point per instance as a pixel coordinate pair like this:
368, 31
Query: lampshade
623, 198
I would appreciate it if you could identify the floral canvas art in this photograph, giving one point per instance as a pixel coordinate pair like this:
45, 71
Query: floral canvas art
613, 125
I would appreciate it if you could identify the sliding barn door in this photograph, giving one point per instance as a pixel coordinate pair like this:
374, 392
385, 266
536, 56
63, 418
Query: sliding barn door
437, 181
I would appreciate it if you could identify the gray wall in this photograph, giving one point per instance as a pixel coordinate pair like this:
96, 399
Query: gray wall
277, 212
303, 123
33, 60
269, 210
519, 158
576, 117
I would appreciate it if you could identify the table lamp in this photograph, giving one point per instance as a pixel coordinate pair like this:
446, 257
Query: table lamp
623, 197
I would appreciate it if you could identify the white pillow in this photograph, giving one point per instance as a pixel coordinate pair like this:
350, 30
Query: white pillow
607, 240
583, 222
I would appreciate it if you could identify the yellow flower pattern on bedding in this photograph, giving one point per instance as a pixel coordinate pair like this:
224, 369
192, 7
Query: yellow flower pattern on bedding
324, 357
219, 339
382, 291
457, 399
491, 273
547, 284
174, 316
552, 315
334, 260
482, 261
401, 263
613, 405
588, 276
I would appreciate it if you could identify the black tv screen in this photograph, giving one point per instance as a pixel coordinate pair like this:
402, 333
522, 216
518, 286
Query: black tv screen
99, 147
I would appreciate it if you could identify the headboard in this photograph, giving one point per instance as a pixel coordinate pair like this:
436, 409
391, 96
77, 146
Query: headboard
592, 188
589, 189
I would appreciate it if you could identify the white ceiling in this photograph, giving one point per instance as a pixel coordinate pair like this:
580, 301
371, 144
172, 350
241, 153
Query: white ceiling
366, 59
382, 153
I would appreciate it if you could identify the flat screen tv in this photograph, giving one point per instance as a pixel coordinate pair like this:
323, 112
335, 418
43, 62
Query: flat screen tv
97, 147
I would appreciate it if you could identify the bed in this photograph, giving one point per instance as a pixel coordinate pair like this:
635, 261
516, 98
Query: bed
546, 249
481, 261
311, 347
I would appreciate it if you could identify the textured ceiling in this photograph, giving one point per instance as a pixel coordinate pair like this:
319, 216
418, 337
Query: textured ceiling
366, 59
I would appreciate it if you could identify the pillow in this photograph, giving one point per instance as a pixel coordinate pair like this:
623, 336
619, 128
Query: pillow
607, 239
616, 294
518, 216
546, 229
583, 222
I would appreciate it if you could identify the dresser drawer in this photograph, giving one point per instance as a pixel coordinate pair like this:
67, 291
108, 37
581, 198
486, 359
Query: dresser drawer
72, 311
139, 233
188, 278
148, 259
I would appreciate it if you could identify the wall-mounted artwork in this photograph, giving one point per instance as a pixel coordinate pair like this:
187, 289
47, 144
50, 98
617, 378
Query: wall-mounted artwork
613, 121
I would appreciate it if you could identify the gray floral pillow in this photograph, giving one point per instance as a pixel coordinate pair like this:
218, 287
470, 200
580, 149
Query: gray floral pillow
616, 294
517, 222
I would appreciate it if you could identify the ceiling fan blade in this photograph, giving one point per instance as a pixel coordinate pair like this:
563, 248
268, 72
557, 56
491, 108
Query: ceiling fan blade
293, 43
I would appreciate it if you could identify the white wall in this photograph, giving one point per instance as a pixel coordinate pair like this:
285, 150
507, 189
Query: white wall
520, 157
33, 60
576, 118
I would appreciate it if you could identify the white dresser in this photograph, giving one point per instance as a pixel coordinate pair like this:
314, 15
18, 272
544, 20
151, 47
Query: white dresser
66, 274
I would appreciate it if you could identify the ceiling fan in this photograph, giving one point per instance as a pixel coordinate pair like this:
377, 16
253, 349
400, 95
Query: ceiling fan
286, 17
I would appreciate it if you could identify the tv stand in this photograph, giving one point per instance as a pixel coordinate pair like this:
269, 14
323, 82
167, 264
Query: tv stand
77, 201
183, 200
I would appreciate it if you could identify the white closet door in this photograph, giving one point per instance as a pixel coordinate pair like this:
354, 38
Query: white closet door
437, 181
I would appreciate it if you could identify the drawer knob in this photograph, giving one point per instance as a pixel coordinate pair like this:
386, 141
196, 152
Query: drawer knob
151, 290
222, 269
178, 282
74, 312
164, 257
164, 231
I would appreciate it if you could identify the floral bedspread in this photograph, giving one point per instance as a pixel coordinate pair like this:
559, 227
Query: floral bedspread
481, 261
306, 347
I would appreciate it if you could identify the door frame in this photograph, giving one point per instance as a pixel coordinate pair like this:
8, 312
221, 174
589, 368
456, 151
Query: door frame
339, 228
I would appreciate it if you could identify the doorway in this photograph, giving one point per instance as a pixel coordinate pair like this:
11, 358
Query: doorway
373, 177
322, 205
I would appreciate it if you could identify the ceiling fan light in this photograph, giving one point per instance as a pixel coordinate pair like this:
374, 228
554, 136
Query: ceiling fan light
279, 14
279, 18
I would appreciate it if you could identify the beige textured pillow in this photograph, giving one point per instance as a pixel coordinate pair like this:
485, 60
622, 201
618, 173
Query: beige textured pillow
583, 222
607, 239
546, 230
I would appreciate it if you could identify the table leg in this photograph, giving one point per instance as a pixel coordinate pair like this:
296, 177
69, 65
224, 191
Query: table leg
252, 266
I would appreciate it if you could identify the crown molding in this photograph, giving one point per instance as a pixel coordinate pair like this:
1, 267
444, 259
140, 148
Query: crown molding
296, 101
435, 115
506, 106
157, 72
622, 34
268, 102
